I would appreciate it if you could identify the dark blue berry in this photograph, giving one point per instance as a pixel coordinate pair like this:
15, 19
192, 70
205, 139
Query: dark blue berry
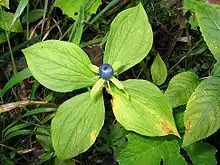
106, 71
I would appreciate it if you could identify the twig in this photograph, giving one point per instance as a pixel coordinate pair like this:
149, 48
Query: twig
20, 104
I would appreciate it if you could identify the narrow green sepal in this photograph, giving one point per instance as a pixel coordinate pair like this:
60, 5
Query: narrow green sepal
119, 85
97, 87
94, 68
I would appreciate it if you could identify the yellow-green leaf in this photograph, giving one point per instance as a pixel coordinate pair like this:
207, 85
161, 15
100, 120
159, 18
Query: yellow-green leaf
6, 20
4, 3
72, 7
202, 115
158, 71
76, 125
146, 110
208, 16
130, 38
181, 87
60, 66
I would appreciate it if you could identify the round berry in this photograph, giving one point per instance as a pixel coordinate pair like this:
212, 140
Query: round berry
106, 71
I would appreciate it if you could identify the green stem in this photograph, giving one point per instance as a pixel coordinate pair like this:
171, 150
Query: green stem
11, 53
9, 44
28, 33
45, 11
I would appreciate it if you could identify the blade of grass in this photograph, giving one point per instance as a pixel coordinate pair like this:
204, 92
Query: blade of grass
16, 79
109, 6
44, 16
23, 132
19, 10
35, 85
38, 110
17, 127
77, 29
28, 33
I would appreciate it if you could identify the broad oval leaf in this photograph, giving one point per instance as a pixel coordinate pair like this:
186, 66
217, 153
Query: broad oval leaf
72, 7
208, 19
181, 87
130, 38
201, 153
60, 66
76, 125
147, 150
202, 115
6, 20
158, 71
143, 108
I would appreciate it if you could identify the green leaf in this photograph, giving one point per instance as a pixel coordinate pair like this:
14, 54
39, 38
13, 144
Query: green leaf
5, 22
145, 150
216, 69
117, 138
76, 125
92, 6
208, 16
201, 153
181, 87
72, 7
179, 119
189, 5
193, 22
130, 39
19, 10
4, 3
33, 15
202, 115
60, 66
19, 77
146, 110
158, 71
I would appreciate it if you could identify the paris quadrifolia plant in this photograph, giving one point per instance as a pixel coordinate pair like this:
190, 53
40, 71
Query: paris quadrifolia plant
138, 105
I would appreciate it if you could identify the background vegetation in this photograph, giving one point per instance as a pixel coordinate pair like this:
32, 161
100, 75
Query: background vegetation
25, 127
